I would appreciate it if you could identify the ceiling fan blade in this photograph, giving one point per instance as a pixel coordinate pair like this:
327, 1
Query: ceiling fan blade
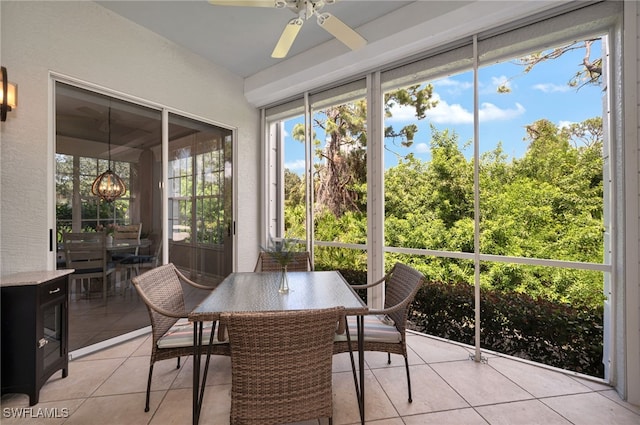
250, 3
341, 31
286, 38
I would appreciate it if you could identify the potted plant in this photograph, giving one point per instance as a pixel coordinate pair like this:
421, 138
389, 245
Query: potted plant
108, 230
282, 251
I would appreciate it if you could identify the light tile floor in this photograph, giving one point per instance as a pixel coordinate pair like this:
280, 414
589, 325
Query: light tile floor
108, 387
91, 320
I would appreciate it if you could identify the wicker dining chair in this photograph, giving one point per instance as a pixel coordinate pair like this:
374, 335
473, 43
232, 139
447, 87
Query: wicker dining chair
384, 329
281, 365
161, 290
300, 262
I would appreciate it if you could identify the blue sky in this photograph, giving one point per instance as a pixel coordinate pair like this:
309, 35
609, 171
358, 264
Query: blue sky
542, 93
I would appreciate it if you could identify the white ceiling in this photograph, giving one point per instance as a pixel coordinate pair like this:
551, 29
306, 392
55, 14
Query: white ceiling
241, 38
238, 38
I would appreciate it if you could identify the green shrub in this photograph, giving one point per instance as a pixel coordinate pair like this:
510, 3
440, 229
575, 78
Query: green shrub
354, 277
560, 335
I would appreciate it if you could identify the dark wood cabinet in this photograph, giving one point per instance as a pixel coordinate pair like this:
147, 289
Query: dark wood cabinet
35, 329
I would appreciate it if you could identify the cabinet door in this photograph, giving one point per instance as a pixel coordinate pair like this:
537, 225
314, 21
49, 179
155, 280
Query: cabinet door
52, 340
52, 331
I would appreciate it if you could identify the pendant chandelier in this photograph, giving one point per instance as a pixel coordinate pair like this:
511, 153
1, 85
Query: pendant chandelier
108, 185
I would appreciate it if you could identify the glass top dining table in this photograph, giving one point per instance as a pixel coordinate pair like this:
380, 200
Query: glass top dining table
258, 292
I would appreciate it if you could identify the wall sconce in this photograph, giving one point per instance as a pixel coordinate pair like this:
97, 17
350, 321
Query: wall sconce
9, 96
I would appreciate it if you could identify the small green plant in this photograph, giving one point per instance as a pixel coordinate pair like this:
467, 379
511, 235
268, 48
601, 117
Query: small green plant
282, 250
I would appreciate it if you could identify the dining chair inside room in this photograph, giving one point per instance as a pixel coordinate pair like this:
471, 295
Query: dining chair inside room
300, 262
128, 233
86, 253
160, 289
281, 365
385, 329
134, 263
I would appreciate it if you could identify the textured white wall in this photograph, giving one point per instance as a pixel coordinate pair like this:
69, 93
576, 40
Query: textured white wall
86, 41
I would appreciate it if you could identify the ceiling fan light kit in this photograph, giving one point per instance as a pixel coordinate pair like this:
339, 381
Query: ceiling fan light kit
305, 9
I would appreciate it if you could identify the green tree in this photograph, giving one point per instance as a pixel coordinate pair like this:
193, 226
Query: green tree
430, 204
340, 177
590, 72
548, 205
450, 177
293, 188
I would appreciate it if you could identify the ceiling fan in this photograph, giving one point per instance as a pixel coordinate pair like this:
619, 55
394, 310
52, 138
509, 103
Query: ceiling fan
305, 9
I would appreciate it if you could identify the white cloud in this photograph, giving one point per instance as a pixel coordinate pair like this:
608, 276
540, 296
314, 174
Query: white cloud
401, 114
297, 165
565, 124
453, 87
491, 87
500, 81
447, 82
445, 113
552, 88
490, 112
422, 148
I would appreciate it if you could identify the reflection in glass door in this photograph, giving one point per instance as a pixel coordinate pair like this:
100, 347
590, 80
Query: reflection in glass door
92, 128
199, 191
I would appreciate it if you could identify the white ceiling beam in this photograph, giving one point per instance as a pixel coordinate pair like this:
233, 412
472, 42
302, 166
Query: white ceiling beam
294, 76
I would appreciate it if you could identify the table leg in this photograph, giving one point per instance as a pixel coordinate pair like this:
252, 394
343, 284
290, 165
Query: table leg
360, 321
358, 382
197, 345
198, 387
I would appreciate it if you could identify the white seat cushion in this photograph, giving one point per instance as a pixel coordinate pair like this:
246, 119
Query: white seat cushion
181, 335
375, 329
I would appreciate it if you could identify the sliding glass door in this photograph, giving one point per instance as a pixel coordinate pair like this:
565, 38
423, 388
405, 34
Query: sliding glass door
96, 132
199, 190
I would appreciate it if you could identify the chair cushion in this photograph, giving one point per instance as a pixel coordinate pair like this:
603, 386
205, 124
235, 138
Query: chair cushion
138, 259
122, 256
181, 335
87, 271
375, 330
110, 266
